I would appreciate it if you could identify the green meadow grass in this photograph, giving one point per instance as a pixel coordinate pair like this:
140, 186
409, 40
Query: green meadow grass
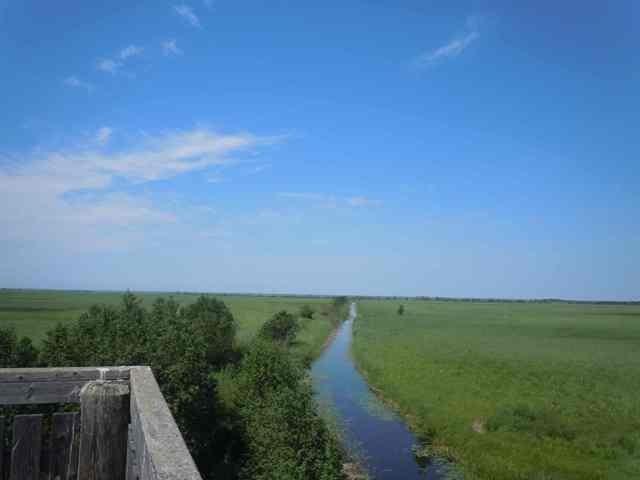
33, 312
553, 390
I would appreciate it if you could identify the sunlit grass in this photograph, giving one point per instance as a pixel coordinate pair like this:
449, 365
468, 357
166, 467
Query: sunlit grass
33, 312
552, 389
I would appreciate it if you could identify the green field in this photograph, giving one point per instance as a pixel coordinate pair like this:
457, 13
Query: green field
32, 312
509, 390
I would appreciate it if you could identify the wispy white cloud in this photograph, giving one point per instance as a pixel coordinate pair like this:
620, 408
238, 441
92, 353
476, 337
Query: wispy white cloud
187, 13
331, 201
59, 193
130, 51
117, 62
303, 195
360, 201
75, 82
103, 135
169, 48
109, 65
216, 178
453, 48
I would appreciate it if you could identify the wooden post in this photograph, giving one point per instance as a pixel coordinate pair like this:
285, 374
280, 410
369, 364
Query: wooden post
1, 447
63, 443
27, 442
104, 410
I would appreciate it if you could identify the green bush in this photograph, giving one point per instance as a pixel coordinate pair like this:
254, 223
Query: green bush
182, 346
282, 327
268, 427
285, 436
307, 312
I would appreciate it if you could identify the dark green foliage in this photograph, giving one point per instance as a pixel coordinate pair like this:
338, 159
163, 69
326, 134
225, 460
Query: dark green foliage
271, 432
339, 302
214, 323
282, 327
26, 354
400, 309
285, 437
306, 311
7, 347
16, 353
183, 347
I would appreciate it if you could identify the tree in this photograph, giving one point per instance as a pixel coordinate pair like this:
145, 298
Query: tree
282, 327
26, 354
213, 321
400, 309
338, 302
307, 312
7, 347
16, 353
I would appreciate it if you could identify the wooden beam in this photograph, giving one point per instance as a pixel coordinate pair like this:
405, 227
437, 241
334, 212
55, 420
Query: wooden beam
24, 386
161, 453
40, 392
27, 442
103, 434
65, 374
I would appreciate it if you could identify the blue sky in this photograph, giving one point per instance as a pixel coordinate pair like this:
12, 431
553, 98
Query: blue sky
373, 147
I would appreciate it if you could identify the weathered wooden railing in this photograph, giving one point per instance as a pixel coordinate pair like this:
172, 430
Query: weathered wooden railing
124, 429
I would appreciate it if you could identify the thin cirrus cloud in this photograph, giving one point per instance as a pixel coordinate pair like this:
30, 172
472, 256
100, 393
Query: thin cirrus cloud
60, 193
103, 135
331, 201
114, 64
170, 48
187, 13
75, 82
453, 48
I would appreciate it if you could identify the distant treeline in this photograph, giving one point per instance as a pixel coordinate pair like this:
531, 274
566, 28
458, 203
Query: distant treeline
502, 300
355, 297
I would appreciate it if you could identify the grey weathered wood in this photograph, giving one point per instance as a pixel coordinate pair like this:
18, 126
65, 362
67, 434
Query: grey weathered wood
27, 443
133, 470
74, 459
63, 429
20, 386
1, 447
40, 392
64, 374
103, 436
161, 453
155, 450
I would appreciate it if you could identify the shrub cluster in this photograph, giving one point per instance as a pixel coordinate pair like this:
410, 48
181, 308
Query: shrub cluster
269, 430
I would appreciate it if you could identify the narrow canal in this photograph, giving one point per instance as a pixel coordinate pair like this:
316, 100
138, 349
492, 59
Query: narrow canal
371, 430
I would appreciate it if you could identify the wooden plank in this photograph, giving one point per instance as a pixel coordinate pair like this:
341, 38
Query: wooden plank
1, 447
161, 451
74, 454
62, 439
75, 374
40, 392
103, 436
133, 454
27, 442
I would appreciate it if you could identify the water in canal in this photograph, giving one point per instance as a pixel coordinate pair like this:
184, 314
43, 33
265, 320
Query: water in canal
371, 430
